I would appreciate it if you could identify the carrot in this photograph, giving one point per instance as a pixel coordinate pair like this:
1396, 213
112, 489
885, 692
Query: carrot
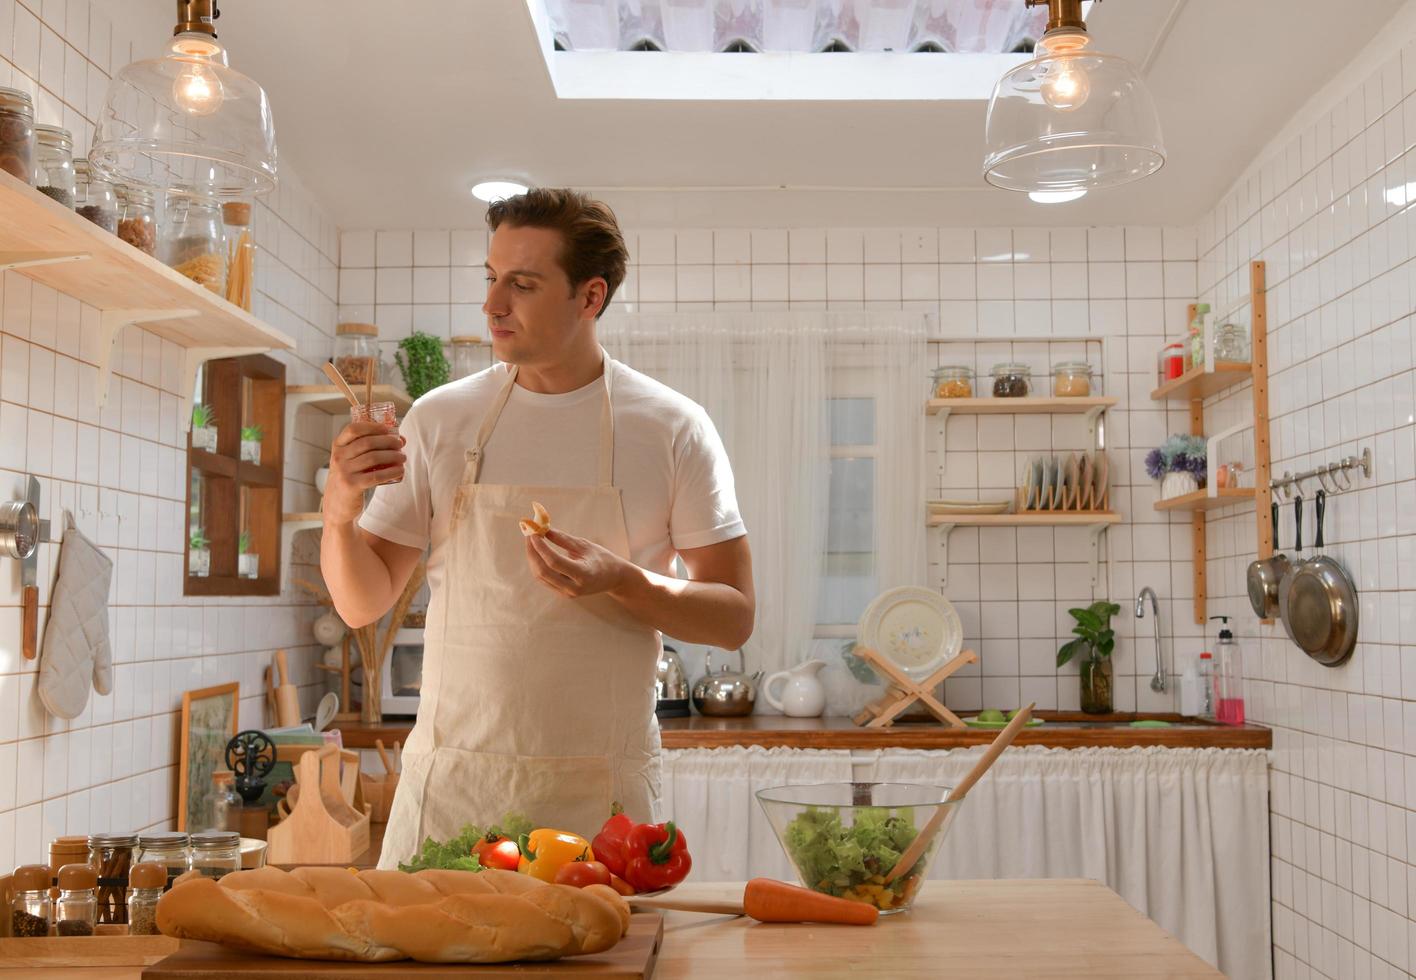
769, 900
621, 886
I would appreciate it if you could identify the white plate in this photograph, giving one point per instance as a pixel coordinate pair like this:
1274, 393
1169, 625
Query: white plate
916, 629
968, 506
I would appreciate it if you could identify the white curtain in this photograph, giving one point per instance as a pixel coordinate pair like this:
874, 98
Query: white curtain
1181, 834
764, 379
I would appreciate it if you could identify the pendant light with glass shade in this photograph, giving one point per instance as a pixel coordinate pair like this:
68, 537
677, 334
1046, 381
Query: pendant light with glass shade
187, 122
1072, 118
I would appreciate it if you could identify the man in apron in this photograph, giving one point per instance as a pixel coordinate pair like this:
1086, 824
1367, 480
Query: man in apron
540, 652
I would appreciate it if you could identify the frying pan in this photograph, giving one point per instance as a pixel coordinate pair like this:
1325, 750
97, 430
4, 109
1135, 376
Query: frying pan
1265, 575
1318, 603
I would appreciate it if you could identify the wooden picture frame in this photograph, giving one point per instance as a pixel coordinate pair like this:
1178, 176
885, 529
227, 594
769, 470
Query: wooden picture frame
209, 721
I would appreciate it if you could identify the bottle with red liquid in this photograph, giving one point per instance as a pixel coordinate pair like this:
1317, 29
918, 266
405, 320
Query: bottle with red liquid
1228, 678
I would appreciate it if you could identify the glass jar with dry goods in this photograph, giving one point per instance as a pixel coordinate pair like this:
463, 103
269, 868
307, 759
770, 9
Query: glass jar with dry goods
112, 855
356, 351
952, 381
31, 911
1010, 380
17, 134
1071, 379
169, 849
1231, 343
94, 198
240, 253
76, 912
194, 240
466, 355
137, 218
145, 886
54, 163
216, 853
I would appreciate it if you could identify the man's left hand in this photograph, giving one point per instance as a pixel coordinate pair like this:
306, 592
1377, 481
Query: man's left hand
573, 566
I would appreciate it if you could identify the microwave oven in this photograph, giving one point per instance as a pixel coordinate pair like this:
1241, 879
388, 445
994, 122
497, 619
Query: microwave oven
403, 673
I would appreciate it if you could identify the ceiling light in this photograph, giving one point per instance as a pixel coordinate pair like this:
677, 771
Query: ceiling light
496, 190
187, 121
1056, 197
1071, 118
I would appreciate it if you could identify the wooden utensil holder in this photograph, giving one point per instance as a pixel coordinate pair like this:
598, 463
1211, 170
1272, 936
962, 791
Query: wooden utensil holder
323, 827
905, 690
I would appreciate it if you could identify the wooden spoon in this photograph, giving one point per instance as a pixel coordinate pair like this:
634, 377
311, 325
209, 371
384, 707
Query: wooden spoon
921, 842
383, 755
333, 374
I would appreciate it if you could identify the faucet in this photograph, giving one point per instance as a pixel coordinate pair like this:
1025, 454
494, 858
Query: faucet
1158, 681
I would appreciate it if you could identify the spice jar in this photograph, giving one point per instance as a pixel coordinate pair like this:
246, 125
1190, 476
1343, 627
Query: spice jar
17, 134
94, 198
76, 912
1010, 380
54, 163
1071, 379
216, 853
1231, 343
169, 849
1195, 342
112, 855
67, 850
466, 355
194, 241
145, 885
1171, 363
31, 911
953, 381
137, 220
356, 351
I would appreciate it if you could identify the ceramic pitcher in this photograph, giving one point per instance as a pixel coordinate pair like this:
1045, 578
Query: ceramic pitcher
802, 693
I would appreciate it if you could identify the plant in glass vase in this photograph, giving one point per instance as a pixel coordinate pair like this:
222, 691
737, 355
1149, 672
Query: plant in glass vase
1096, 639
251, 436
1180, 464
422, 363
203, 428
247, 564
198, 554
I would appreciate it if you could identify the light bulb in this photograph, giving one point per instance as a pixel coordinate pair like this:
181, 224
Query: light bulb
1066, 86
197, 90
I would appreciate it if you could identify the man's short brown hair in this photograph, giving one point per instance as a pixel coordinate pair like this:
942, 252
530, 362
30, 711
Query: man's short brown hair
593, 245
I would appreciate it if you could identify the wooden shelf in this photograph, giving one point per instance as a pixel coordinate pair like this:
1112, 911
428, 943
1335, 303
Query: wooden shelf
328, 399
1199, 383
303, 517
1201, 500
1018, 406
49, 243
1086, 518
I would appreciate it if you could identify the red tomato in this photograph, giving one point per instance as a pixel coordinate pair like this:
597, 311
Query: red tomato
498, 852
578, 874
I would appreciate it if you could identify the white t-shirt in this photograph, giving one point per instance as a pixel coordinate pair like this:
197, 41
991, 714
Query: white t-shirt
669, 464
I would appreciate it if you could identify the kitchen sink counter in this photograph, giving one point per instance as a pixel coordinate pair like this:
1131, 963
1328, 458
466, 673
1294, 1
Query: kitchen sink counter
1063, 730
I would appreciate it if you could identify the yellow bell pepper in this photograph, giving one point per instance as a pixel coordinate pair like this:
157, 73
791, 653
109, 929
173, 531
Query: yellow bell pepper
544, 852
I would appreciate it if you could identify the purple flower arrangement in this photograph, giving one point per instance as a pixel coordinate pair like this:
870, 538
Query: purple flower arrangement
1179, 454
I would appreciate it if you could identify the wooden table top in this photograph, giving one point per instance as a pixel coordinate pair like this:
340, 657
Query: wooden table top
961, 929
1063, 729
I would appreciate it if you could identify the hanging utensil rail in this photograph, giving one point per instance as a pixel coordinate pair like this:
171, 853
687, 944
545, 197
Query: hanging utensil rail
1327, 476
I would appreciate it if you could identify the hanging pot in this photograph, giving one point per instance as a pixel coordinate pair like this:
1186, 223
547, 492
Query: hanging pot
1319, 604
1265, 574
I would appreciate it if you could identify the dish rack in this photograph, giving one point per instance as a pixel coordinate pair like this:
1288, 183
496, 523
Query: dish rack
1074, 483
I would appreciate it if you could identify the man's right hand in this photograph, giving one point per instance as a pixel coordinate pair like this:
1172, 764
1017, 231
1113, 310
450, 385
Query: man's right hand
354, 460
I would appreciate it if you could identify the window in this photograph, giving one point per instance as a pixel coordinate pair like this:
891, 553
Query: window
848, 578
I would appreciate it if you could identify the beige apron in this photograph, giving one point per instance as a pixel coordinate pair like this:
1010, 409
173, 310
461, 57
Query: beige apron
532, 702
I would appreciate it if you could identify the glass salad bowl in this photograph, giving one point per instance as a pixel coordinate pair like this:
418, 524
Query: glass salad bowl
843, 838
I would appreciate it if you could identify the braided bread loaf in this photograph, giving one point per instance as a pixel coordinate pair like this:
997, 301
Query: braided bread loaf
434, 916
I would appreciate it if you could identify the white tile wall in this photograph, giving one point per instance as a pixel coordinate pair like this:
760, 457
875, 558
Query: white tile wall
1330, 213
120, 473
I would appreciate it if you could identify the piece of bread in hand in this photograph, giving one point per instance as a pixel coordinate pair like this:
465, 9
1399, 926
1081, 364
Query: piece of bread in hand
539, 524
489, 916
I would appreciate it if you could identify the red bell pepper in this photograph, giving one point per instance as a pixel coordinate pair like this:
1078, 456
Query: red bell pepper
609, 843
657, 857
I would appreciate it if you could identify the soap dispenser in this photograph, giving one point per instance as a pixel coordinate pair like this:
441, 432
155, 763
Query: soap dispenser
1228, 677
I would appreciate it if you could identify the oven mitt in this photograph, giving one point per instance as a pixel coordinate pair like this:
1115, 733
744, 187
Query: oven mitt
76, 652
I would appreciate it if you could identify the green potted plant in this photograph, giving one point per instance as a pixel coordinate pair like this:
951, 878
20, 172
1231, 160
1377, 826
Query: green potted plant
422, 363
251, 444
247, 564
203, 428
198, 554
1095, 639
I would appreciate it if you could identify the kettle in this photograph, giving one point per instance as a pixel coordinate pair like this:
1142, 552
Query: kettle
670, 686
802, 693
726, 694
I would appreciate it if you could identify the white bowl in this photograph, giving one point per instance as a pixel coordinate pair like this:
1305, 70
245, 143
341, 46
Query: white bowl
253, 853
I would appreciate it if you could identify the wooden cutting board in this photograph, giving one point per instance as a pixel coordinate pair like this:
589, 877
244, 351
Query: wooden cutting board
632, 959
